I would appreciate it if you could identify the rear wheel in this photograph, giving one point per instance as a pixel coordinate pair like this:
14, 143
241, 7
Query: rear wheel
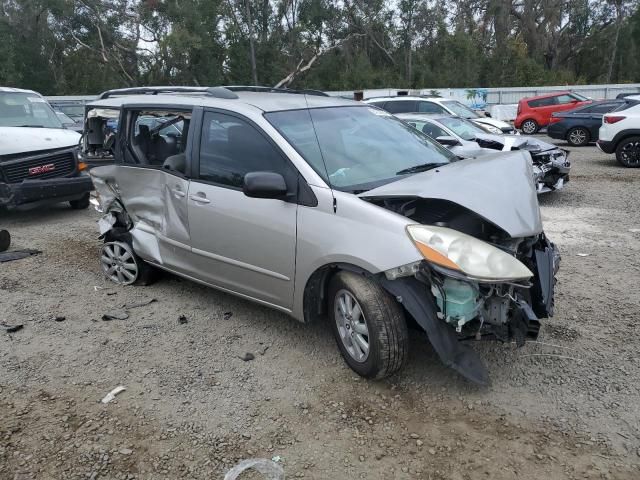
368, 324
578, 136
628, 152
529, 127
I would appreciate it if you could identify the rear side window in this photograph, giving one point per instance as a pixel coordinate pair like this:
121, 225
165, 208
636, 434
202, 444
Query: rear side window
601, 108
401, 106
231, 147
626, 105
542, 102
564, 99
430, 107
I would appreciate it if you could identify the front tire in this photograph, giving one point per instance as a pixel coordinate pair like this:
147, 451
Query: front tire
81, 203
529, 127
628, 152
368, 324
578, 137
123, 266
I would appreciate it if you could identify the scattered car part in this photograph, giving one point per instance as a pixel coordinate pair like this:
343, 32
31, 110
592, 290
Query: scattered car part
375, 215
109, 397
17, 254
268, 469
11, 328
5, 240
115, 315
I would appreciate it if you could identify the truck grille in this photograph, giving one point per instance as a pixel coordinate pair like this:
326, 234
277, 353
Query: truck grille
51, 165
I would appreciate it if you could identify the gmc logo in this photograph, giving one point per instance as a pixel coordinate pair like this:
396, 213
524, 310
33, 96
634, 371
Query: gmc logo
50, 167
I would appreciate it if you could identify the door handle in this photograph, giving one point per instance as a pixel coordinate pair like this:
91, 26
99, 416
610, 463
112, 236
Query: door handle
178, 193
199, 198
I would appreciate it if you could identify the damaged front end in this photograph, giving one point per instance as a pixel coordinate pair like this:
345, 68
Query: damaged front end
452, 306
488, 270
551, 166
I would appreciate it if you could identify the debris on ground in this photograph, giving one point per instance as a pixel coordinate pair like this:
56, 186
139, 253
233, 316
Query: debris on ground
12, 328
227, 315
112, 394
247, 356
17, 254
5, 240
141, 304
583, 254
262, 349
268, 468
58, 318
115, 315
182, 320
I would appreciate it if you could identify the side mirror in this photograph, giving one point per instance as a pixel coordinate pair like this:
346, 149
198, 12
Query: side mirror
487, 114
448, 141
264, 185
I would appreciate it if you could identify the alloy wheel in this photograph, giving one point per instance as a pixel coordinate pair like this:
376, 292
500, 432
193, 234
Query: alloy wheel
529, 127
352, 326
578, 136
119, 263
630, 154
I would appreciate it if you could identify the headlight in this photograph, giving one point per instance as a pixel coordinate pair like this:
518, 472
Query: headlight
492, 129
463, 253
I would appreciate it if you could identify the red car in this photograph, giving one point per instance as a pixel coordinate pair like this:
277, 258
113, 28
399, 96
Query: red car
535, 112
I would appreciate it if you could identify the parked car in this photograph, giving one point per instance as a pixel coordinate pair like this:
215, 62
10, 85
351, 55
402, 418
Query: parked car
464, 138
535, 113
73, 107
70, 123
319, 206
580, 126
38, 156
620, 133
439, 105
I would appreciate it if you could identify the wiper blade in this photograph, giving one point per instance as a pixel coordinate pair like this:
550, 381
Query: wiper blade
419, 168
31, 126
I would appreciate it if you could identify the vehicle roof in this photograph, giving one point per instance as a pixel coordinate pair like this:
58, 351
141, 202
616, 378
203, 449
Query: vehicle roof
545, 95
425, 116
265, 101
17, 90
410, 97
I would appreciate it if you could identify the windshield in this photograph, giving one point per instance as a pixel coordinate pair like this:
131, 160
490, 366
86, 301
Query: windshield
358, 148
74, 111
19, 109
65, 119
459, 109
581, 98
462, 127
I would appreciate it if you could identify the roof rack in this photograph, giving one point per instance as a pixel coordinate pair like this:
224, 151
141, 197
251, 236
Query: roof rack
225, 92
151, 91
259, 88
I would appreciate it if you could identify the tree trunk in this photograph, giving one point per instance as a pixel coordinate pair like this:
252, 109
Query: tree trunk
614, 48
252, 48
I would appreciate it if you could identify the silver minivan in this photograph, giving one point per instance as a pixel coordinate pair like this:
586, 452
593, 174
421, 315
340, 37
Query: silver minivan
328, 208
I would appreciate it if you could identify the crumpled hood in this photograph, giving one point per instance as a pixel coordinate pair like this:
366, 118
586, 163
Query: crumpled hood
498, 187
494, 122
26, 139
520, 142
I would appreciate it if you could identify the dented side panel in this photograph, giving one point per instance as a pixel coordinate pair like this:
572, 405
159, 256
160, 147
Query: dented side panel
156, 203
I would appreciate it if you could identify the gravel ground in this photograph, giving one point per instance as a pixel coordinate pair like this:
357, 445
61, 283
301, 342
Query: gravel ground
565, 407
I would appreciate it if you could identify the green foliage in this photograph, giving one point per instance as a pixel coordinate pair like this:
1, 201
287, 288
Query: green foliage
84, 47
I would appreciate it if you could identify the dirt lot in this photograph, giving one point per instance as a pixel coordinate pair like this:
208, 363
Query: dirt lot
566, 407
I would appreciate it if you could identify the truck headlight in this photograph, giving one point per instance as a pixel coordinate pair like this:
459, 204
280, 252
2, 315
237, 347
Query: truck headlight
465, 254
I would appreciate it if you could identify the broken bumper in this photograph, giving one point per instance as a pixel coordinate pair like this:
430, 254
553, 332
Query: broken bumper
551, 174
506, 313
44, 191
